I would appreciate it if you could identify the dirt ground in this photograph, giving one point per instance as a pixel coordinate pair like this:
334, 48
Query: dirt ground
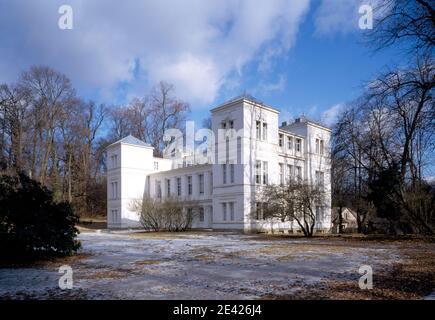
225, 265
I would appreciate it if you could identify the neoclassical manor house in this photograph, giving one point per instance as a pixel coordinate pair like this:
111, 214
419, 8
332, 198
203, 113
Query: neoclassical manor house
224, 190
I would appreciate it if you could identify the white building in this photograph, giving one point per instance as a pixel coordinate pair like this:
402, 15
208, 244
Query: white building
224, 193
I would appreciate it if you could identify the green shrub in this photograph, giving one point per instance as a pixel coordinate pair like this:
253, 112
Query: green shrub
31, 223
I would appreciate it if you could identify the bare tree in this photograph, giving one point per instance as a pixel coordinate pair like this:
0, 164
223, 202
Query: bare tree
408, 22
166, 112
296, 201
50, 92
14, 107
163, 215
386, 134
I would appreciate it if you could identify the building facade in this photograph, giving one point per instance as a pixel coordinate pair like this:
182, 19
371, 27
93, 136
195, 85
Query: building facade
250, 150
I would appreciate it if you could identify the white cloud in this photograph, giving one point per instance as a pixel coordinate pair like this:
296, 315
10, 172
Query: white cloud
195, 44
330, 116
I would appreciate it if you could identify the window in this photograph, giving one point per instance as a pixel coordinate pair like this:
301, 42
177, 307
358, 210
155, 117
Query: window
231, 204
224, 211
264, 131
158, 189
289, 143
281, 173
115, 217
265, 173
298, 145
289, 172
201, 184
319, 214
259, 210
201, 214
320, 145
232, 173
224, 125
189, 212
224, 173
211, 182
156, 165
114, 189
258, 129
168, 187
189, 185
179, 187
281, 137
258, 171
298, 173
320, 179
114, 159
231, 124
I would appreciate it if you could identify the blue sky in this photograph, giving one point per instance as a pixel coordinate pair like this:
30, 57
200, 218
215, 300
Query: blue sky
299, 56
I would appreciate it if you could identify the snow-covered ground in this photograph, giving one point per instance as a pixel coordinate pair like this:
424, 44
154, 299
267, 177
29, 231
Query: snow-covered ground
195, 266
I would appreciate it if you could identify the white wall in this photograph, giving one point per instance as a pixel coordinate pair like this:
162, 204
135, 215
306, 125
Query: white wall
137, 173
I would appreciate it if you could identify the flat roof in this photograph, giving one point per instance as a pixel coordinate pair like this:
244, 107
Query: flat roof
247, 98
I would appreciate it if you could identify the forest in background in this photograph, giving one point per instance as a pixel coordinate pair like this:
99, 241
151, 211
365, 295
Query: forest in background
58, 139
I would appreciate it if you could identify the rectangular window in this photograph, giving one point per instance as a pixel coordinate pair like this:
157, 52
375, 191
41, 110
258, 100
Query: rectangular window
289, 172
298, 173
114, 159
224, 173
224, 125
265, 173
156, 165
319, 214
322, 147
201, 214
115, 190
115, 218
317, 146
231, 204
298, 145
224, 211
201, 184
289, 143
231, 124
211, 182
264, 131
232, 173
189, 185
179, 187
258, 172
281, 173
158, 189
320, 179
259, 211
168, 187
258, 129
281, 137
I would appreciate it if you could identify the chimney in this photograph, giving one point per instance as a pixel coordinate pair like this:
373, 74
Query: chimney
301, 119
284, 124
